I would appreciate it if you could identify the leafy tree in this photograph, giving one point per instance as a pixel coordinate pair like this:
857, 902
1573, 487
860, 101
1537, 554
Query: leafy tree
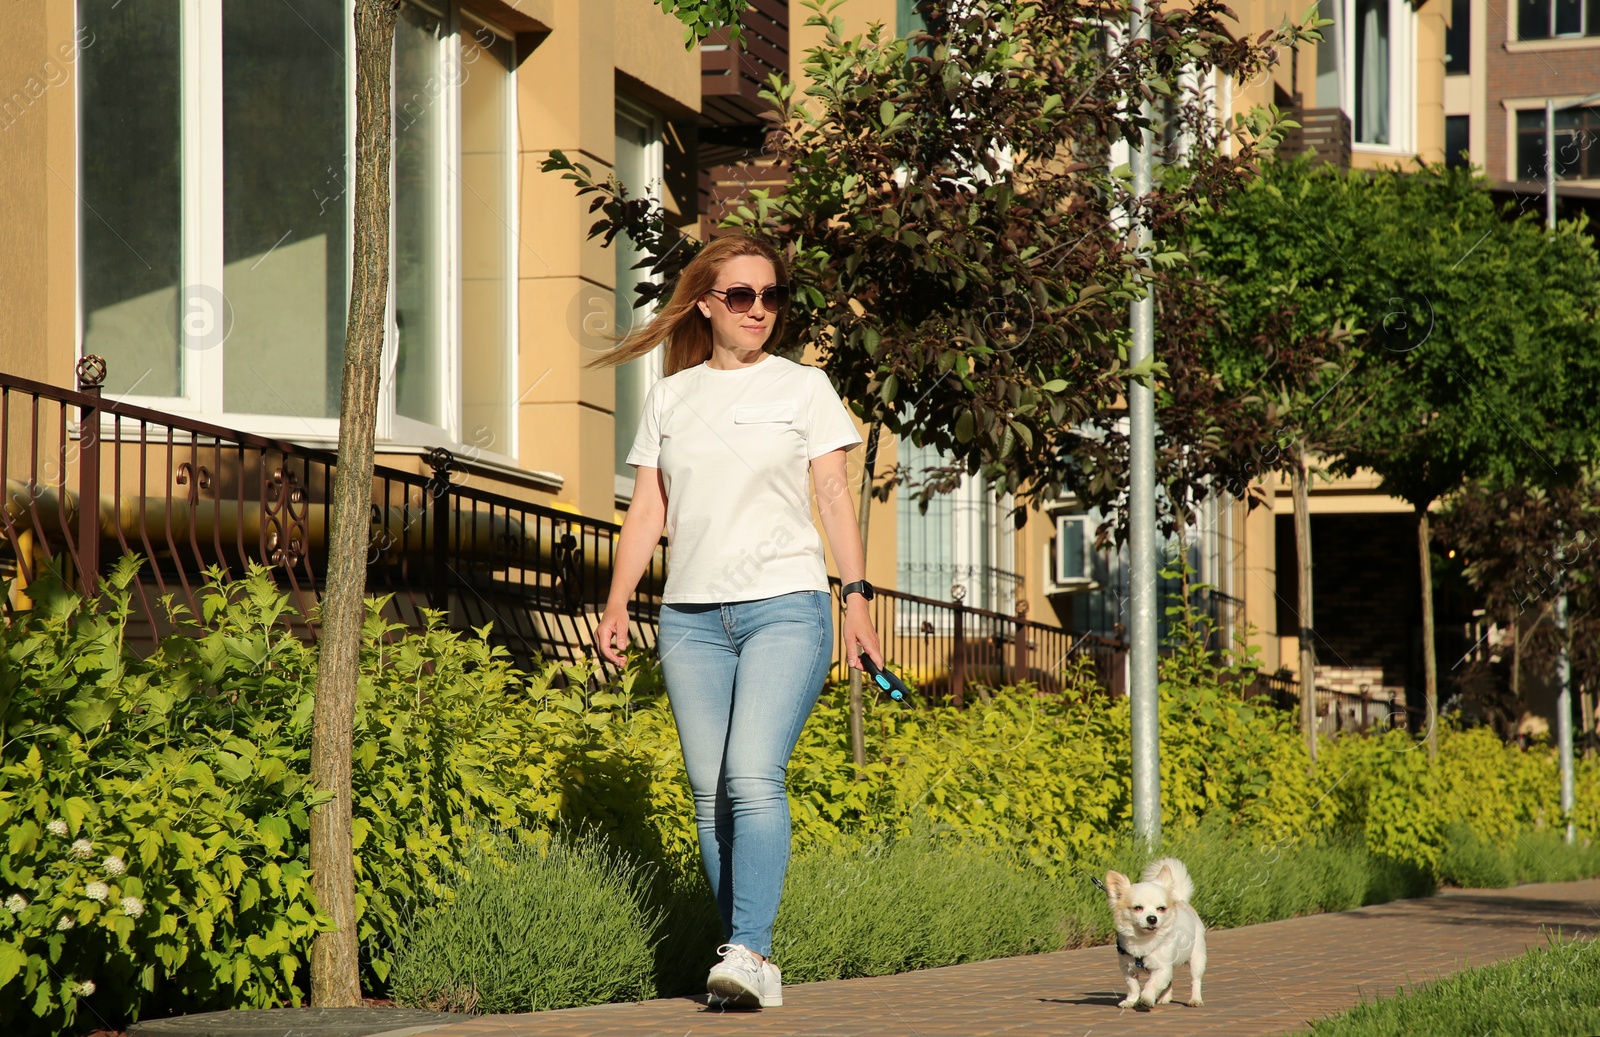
1520, 546
955, 237
335, 958
1487, 327
1277, 253
335, 964
1471, 338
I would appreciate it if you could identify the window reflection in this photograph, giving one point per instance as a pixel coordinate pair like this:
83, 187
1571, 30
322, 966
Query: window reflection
285, 244
131, 192
419, 256
1372, 71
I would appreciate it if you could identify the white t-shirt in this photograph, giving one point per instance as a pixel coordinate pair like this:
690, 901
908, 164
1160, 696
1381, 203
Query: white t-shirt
734, 449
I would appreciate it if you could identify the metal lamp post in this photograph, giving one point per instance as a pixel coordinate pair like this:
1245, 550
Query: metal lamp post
1142, 585
1563, 661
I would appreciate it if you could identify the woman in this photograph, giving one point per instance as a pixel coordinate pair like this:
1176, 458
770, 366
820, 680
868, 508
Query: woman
745, 635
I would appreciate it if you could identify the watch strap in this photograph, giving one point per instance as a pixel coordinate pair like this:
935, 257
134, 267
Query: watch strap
861, 587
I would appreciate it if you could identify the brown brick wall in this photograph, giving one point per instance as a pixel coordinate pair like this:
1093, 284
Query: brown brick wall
1368, 601
1559, 73
1365, 580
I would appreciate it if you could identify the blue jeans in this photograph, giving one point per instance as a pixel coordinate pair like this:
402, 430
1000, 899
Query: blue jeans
742, 677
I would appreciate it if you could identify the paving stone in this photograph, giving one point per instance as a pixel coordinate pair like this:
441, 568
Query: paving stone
1261, 980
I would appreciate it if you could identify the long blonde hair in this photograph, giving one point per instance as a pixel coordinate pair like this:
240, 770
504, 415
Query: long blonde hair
680, 323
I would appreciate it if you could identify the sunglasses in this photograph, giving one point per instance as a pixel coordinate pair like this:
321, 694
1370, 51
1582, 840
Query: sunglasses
740, 299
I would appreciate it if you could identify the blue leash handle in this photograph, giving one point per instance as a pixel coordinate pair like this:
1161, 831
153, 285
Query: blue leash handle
897, 688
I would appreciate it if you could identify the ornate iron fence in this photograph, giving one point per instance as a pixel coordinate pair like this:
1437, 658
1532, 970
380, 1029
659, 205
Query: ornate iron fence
87, 479
1337, 711
944, 647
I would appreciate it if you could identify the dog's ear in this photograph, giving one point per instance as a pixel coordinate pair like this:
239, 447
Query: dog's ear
1165, 877
1117, 886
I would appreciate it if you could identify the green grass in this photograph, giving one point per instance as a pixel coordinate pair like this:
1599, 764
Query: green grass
534, 926
913, 904
1240, 881
534, 929
1548, 992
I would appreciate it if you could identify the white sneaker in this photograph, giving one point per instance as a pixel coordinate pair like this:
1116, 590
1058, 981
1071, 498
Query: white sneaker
742, 980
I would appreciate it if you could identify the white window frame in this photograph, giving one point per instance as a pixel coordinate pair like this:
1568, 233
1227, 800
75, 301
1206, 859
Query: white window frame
1072, 527
513, 211
1514, 24
1514, 105
1402, 77
655, 158
202, 235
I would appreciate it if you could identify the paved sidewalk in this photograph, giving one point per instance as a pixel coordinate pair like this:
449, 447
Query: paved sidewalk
1262, 979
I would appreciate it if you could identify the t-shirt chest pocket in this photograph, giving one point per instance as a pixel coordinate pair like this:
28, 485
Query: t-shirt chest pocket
778, 416
768, 433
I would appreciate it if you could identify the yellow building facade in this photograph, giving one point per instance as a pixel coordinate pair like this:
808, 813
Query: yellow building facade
193, 230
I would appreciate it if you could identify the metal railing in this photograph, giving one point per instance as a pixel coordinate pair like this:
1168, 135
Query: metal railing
943, 647
1337, 711
1323, 132
88, 479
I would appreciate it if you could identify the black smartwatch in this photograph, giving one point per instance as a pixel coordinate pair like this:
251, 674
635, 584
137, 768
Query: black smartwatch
861, 587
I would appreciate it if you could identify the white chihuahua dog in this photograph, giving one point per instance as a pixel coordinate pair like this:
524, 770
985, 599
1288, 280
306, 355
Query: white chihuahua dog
1157, 931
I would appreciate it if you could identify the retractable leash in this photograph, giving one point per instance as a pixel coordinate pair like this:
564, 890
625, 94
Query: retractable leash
896, 687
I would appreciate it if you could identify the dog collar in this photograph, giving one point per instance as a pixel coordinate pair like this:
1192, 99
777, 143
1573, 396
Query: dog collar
1138, 962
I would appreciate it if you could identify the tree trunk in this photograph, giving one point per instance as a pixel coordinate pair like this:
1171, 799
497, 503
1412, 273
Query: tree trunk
858, 738
1516, 664
335, 962
1308, 649
1430, 666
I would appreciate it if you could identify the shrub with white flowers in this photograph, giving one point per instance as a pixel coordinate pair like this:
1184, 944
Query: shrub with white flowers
114, 866
57, 828
84, 989
65, 922
133, 907
83, 849
16, 903
97, 891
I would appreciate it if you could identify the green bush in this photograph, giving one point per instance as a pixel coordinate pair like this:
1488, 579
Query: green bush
149, 811
189, 767
531, 927
1543, 855
1241, 880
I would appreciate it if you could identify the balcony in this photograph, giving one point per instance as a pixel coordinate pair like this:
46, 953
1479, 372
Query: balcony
732, 131
1324, 133
732, 77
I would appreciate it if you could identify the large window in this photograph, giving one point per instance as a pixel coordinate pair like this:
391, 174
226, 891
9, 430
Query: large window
963, 539
1458, 39
640, 168
908, 19
131, 241
215, 155
1553, 19
1577, 143
1379, 91
1457, 141
1373, 85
